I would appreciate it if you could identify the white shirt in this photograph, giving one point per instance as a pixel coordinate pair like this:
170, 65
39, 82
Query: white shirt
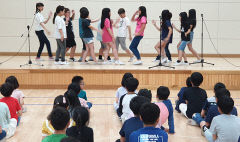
39, 19
60, 24
122, 27
126, 108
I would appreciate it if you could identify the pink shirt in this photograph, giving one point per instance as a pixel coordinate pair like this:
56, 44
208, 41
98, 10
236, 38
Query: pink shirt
106, 37
163, 114
141, 21
17, 94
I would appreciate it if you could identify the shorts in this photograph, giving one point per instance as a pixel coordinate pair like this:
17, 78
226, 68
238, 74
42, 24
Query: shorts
191, 37
88, 40
103, 46
183, 45
70, 42
122, 42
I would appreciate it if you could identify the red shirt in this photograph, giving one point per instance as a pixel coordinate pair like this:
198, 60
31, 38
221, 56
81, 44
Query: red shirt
13, 106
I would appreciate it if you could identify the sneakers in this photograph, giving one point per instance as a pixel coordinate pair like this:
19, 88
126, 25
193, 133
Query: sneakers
156, 60
177, 63
80, 60
100, 60
118, 62
185, 63
138, 62
39, 59
51, 59
90, 59
57, 62
106, 63
131, 59
64, 63
198, 61
164, 60
72, 59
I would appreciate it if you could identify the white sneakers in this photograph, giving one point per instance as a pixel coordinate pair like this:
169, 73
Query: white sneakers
61, 63
118, 62
138, 62
180, 63
131, 59
198, 61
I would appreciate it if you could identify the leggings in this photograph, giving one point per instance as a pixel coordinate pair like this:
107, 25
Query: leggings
134, 46
43, 40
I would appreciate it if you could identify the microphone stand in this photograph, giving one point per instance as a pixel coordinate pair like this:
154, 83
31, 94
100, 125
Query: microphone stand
202, 60
160, 62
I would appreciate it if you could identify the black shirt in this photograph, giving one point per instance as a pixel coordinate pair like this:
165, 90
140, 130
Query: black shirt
69, 28
184, 29
84, 134
196, 98
193, 23
87, 32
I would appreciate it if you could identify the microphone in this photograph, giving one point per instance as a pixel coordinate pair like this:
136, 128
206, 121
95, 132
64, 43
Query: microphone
28, 27
201, 15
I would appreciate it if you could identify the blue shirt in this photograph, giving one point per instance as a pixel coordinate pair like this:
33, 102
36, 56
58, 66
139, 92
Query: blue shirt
83, 95
130, 126
170, 117
149, 134
165, 30
180, 98
213, 111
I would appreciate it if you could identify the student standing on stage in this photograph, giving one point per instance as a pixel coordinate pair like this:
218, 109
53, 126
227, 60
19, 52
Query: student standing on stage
71, 43
167, 34
185, 38
108, 36
123, 25
60, 35
139, 32
193, 22
40, 27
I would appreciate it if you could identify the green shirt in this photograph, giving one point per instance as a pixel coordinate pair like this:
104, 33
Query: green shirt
83, 95
54, 138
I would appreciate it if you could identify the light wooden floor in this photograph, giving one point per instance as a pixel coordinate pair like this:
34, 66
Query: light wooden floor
104, 120
220, 64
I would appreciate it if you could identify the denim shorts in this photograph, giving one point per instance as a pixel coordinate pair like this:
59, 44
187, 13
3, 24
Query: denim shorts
183, 45
88, 40
191, 37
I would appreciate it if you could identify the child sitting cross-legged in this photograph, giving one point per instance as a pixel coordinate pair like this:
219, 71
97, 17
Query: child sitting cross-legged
60, 120
133, 123
166, 109
149, 114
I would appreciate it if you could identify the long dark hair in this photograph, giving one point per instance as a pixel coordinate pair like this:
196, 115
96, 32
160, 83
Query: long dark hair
37, 6
105, 15
165, 17
71, 96
58, 10
184, 18
143, 12
80, 116
192, 17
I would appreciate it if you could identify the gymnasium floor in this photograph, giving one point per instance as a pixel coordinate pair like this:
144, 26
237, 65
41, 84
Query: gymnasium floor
104, 120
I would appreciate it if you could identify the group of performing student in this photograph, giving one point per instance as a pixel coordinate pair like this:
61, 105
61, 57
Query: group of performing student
66, 39
142, 117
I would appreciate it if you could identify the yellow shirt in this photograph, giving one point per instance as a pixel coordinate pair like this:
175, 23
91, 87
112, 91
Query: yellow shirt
47, 128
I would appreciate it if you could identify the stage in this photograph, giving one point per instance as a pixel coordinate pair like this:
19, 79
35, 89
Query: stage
51, 76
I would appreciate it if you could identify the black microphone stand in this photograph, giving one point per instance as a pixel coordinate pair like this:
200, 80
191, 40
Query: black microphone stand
202, 60
160, 62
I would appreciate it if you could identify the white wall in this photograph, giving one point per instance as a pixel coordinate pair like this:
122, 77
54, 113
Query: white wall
222, 18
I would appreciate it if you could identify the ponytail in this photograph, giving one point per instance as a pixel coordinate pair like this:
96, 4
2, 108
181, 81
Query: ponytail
54, 16
38, 5
58, 10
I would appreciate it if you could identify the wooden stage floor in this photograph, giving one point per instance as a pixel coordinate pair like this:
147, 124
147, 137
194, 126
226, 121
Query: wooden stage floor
220, 64
52, 76
106, 129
